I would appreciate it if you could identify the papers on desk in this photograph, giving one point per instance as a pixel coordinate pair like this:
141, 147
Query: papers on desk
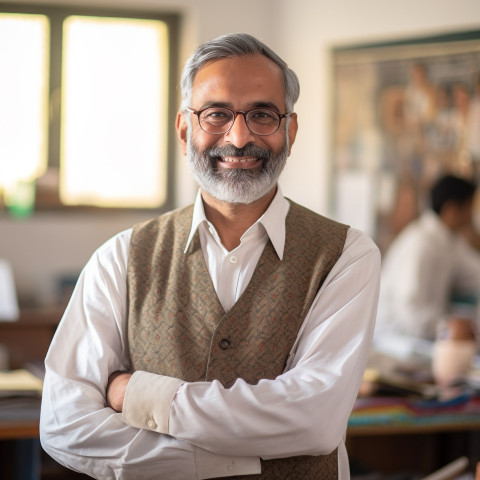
19, 383
389, 375
395, 383
403, 347
410, 375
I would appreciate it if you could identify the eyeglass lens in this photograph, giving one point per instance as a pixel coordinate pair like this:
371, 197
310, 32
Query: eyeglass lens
220, 120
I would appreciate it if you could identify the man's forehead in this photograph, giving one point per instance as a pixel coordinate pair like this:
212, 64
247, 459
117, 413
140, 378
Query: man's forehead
242, 75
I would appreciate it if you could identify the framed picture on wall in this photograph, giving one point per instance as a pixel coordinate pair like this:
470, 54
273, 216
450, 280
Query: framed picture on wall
404, 112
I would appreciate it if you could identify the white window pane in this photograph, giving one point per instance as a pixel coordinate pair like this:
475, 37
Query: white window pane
113, 145
24, 41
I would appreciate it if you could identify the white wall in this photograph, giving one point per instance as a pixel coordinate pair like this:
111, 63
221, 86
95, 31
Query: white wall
47, 245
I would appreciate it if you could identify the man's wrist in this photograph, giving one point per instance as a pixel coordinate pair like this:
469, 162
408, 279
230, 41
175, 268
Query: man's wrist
117, 384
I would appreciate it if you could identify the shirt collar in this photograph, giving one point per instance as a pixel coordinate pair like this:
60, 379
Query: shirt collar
273, 220
197, 218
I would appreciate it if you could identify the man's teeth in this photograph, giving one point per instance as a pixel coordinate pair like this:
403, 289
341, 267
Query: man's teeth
238, 160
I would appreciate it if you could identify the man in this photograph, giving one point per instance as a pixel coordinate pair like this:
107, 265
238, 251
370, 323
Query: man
427, 266
232, 335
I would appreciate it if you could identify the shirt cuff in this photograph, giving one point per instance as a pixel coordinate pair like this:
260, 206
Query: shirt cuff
211, 465
147, 401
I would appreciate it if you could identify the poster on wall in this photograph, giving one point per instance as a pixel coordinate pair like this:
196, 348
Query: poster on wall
404, 112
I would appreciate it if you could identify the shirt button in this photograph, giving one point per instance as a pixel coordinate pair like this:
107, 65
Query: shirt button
229, 468
233, 259
151, 424
224, 343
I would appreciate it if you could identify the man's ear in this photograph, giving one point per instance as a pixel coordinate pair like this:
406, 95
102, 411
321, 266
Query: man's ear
292, 131
182, 128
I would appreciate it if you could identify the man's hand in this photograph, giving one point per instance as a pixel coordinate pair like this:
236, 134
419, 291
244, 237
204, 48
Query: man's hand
117, 384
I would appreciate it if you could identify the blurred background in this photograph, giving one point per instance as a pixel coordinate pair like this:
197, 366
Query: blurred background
47, 247
88, 97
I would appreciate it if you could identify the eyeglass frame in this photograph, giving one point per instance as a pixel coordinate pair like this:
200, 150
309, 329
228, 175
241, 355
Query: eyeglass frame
235, 114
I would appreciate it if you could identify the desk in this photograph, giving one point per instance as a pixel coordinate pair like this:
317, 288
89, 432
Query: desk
20, 450
28, 339
386, 435
19, 417
21, 456
410, 435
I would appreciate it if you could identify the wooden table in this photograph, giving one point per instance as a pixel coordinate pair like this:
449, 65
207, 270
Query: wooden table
19, 418
400, 437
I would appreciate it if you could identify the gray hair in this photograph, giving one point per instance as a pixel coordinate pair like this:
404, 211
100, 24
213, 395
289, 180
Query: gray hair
235, 45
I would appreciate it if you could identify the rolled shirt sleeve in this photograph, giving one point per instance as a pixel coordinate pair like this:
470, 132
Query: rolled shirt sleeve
149, 386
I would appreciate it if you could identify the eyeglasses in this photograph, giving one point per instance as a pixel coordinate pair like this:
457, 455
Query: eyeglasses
219, 120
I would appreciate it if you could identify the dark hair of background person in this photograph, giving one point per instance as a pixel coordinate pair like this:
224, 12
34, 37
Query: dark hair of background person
451, 188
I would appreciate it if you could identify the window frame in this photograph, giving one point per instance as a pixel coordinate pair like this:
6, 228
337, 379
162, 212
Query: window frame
47, 199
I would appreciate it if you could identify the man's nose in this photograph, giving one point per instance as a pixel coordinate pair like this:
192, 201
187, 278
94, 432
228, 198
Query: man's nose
239, 135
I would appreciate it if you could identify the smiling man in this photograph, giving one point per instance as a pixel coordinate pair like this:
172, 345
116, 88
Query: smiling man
227, 338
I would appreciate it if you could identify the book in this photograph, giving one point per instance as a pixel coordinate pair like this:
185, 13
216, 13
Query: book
19, 383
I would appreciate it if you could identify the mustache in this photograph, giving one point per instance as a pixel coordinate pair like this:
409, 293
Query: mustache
232, 151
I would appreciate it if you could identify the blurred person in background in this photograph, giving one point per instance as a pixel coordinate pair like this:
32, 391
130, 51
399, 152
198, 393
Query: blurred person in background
428, 266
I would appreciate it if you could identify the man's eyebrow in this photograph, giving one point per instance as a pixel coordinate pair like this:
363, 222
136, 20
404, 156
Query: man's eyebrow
216, 104
269, 105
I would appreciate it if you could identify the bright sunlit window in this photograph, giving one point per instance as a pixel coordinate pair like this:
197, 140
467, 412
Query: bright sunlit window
86, 107
24, 42
114, 112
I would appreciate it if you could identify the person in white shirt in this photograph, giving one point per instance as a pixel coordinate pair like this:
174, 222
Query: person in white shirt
427, 266
265, 309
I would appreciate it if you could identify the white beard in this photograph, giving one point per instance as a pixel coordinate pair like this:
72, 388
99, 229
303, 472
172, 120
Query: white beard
235, 185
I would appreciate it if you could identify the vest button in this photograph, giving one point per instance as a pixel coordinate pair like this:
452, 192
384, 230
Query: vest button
224, 343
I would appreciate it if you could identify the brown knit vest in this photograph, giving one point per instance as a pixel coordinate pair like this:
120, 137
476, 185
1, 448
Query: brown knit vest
177, 326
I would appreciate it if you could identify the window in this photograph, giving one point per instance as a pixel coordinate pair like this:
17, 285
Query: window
23, 103
85, 110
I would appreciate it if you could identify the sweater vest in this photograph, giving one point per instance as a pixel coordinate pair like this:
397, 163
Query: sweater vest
178, 327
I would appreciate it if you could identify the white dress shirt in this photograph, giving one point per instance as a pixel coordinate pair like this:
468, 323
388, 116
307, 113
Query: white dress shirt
424, 267
170, 429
